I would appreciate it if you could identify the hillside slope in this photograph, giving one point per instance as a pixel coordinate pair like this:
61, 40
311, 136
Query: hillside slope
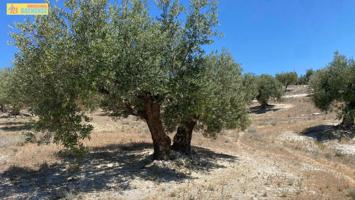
280, 156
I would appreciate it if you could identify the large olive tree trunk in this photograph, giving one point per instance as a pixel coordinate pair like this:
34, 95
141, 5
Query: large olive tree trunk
161, 141
182, 139
348, 118
348, 121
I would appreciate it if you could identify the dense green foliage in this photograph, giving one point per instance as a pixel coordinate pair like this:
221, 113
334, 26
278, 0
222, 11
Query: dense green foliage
210, 100
215, 97
268, 87
336, 83
120, 58
9, 101
4, 88
287, 78
55, 67
250, 86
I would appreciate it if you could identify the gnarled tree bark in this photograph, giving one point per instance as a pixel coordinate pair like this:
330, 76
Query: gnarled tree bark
348, 119
161, 141
182, 139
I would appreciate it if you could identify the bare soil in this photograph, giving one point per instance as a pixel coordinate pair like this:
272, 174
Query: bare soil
280, 156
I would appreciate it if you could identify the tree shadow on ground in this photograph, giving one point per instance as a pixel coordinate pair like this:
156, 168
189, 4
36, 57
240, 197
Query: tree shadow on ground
11, 123
263, 109
17, 127
112, 167
323, 132
7, 115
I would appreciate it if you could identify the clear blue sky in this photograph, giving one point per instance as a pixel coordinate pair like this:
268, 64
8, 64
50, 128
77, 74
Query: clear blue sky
265, 36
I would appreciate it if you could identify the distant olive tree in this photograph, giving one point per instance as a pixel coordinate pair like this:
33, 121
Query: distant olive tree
268, 87
304, 79
120, 58
287, 78
309, 74
336, 83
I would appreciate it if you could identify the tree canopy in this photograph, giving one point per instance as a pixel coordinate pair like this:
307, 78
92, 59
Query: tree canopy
122, 59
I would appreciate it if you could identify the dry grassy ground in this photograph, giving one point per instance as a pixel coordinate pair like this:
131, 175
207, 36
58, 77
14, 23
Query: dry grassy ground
280, 156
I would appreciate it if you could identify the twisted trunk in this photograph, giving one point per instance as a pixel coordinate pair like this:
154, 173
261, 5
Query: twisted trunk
182, 139
348, 118
264, 105
161, 141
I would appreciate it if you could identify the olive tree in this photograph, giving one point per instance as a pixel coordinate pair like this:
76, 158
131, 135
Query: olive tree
308, 74
268, 87
336, 83
287, 78
143, 78
121, 58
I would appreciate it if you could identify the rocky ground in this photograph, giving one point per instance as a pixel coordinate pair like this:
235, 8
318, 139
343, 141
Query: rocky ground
282, 155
